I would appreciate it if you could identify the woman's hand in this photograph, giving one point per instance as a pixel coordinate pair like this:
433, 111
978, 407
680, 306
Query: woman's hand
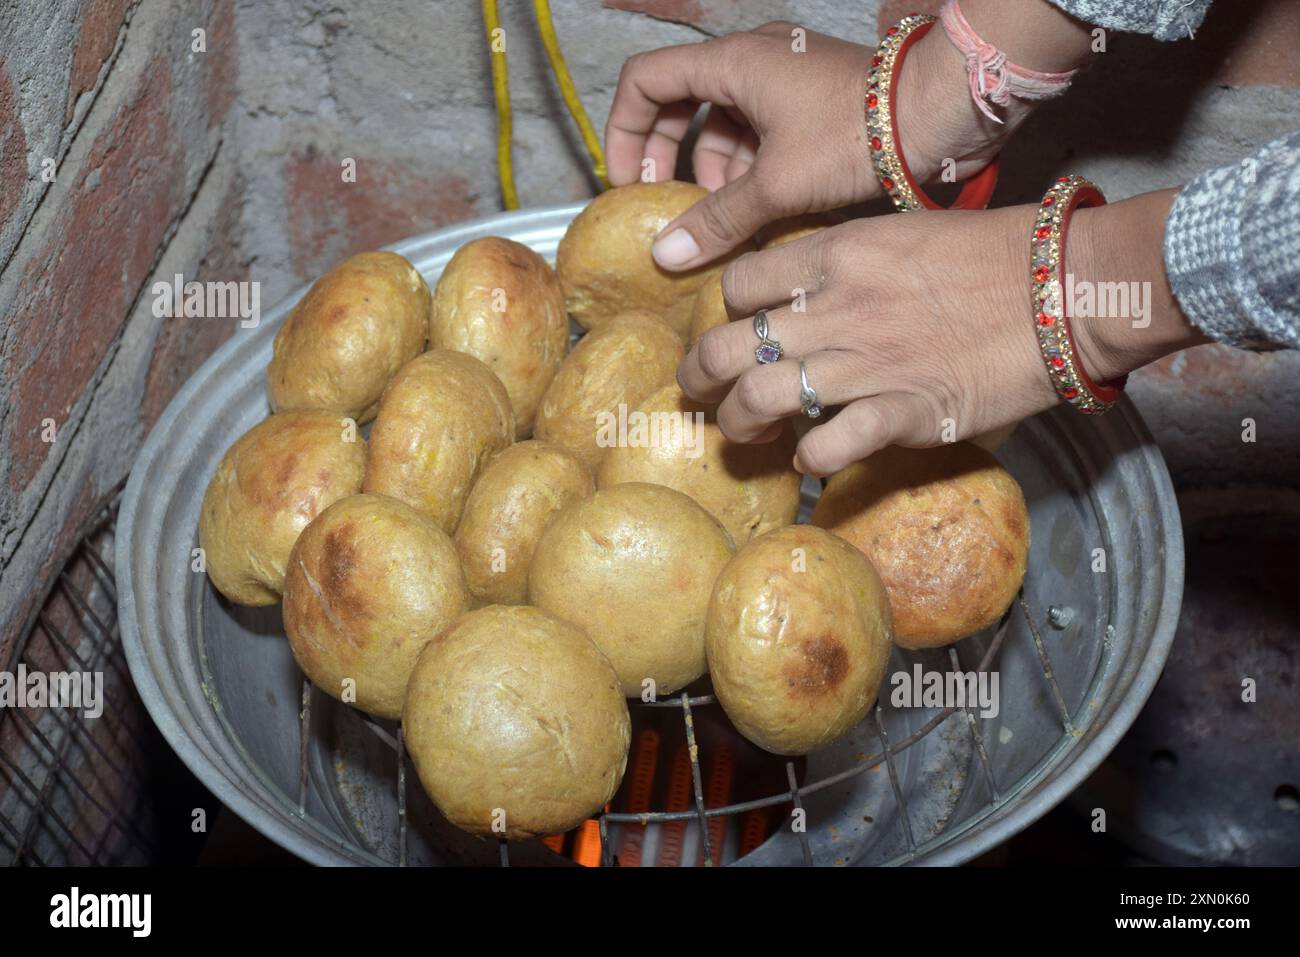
920, 327
786, 132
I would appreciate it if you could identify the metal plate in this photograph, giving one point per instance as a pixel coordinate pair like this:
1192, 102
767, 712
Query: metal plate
223, 688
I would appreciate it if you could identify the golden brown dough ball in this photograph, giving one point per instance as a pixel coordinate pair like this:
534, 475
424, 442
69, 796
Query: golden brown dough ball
357, 325
370, 582
500, 302
514, 500
798, 639
708, 311
633, 565
516, 724
749, 488
605, 264
794, 228
441, 418
947, 529
615, 366
270, 484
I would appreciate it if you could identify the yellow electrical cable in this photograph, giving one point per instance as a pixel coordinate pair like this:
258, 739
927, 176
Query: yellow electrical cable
501, 91
567, 89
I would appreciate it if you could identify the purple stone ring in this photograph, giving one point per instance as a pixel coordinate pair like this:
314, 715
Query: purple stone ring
769, 350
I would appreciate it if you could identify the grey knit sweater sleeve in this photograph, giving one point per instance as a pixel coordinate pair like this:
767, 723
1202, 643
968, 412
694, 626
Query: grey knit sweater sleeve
1162, 19
1232, 249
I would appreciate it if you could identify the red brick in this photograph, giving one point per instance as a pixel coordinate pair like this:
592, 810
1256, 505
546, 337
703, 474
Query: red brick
98, 37
1217, 374
330, 219
13, 149
223, 61
182, 343
693, 12
77, 291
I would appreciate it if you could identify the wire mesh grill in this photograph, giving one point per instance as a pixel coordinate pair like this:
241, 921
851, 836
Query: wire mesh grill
793, 796
78, 789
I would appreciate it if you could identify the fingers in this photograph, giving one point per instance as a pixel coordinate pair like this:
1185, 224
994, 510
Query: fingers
721, 138
650, 82
861, 428
715, 225
724, 353
743, 158
779, 274
766, 394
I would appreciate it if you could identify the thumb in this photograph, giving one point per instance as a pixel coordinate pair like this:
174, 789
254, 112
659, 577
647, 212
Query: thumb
714, 226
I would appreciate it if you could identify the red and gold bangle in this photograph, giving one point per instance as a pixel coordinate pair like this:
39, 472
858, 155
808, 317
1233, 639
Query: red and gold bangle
1047, 277
882, 127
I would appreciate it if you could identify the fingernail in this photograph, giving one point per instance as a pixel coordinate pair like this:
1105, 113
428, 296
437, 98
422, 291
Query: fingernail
675, 249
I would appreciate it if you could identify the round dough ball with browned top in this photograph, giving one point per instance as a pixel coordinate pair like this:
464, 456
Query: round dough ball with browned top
441, 418
514, 500
276, 478
500, 302
633, 565
798, 639
749, 488
605, 264
516, 724
947, 529
370, 582
357, 325
708, 311
614, 367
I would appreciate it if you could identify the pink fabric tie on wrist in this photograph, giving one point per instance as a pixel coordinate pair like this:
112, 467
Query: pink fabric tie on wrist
992, 78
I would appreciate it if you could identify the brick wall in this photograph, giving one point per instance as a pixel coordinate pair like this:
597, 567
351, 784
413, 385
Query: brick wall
226, 165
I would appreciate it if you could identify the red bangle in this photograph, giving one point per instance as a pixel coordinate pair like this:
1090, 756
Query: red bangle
882, 127
1055, 337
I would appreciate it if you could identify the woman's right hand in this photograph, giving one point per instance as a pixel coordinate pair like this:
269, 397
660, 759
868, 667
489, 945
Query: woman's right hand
786, 131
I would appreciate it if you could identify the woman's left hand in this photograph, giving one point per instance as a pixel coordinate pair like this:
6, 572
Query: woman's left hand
919, 326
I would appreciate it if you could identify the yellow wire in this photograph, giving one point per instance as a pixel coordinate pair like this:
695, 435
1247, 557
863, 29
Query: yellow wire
567, 89
505, 121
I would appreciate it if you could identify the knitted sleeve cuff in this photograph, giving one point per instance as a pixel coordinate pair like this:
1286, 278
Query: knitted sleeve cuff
1230, 249
1162, 19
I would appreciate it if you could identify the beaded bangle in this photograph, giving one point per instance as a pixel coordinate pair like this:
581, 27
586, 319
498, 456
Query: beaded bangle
1047, 269
882, 127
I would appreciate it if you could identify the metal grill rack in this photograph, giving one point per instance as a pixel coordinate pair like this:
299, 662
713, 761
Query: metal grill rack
74, 789
793, 796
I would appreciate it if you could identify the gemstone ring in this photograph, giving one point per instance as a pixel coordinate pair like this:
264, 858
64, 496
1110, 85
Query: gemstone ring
769, 350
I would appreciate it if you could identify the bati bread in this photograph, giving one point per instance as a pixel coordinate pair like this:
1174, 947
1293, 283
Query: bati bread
798, 639
270, 484
500, 302
516, 724
518, 494
358, 324
615, 366
370, 582
633, 565
749, 488
440, 419
605, 264
947, 530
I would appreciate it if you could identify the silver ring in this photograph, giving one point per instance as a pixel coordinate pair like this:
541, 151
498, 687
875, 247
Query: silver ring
769, 350
807, 394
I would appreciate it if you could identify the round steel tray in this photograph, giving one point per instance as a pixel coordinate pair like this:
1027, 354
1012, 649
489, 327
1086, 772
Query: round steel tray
224, 690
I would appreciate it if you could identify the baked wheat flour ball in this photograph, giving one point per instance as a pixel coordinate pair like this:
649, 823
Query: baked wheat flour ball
357, 325
516, 724
276, 478
500, 302
370, 582
798, 639
633, 566
947, 530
